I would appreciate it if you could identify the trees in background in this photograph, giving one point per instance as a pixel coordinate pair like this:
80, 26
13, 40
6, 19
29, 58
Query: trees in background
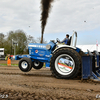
16, 39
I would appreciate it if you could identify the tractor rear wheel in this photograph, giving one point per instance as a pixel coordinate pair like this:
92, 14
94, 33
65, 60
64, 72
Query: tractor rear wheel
65, 63
25, 64
37, 64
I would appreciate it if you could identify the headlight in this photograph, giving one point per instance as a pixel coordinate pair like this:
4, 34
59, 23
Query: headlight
48, 47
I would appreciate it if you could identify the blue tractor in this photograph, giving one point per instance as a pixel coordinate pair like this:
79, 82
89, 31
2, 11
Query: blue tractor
54, 55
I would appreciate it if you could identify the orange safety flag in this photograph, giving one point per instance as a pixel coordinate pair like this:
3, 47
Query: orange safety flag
8, 62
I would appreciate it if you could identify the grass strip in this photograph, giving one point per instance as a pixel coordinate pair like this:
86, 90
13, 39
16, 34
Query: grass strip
6, 64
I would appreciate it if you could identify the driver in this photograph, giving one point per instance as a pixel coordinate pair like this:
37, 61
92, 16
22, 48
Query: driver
65, 40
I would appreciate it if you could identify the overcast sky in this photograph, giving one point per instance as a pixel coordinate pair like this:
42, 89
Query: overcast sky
82, 16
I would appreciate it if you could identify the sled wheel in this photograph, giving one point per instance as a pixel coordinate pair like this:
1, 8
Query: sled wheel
37, 64
25, 64
65, 63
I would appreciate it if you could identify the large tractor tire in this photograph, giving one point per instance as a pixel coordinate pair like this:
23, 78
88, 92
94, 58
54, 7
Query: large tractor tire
37, 64
25, 64
65, 63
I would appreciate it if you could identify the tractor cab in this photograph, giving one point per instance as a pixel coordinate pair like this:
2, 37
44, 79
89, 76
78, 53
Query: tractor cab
71, 42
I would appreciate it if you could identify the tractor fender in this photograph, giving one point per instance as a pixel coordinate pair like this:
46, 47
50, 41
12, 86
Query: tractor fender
64, 46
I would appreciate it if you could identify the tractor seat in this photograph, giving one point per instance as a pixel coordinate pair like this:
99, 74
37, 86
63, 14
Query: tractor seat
69, 41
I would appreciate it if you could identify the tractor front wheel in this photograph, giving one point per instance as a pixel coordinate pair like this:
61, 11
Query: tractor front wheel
37, 64
25, 64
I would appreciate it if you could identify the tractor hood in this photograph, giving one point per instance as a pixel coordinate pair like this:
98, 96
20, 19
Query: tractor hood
41, 50
51, 46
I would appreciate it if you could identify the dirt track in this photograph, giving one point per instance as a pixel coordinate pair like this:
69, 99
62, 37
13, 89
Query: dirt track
41, 85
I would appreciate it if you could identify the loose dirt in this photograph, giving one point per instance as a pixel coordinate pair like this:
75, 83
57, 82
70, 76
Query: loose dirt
41, 85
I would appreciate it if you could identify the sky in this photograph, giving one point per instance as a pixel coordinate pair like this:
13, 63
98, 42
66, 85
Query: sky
65, 17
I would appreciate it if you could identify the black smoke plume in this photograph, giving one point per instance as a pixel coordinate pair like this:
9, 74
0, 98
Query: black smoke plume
45, 7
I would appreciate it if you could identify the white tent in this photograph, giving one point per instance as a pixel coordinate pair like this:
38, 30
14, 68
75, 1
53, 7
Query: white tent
89, 47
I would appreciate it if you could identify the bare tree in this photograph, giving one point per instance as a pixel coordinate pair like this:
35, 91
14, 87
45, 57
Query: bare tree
39, 40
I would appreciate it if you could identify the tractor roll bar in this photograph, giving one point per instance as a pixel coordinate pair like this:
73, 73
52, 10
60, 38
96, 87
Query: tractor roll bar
74, 34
